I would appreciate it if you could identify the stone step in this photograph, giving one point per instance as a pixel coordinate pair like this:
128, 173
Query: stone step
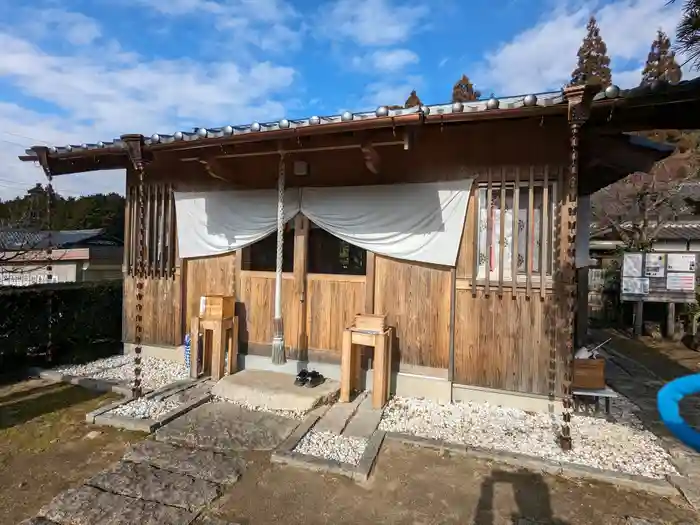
337, 417
138, 480
91, 505
274, 390
201, 464
227, 427
365, 421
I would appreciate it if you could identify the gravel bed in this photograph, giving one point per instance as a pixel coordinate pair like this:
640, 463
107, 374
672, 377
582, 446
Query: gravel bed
290, 414
155, 372
143, 408
622, 446
331, 446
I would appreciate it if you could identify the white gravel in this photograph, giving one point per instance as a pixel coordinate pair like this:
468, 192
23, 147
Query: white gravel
155, 372
331, 446
143, 408
290, 414
622, 446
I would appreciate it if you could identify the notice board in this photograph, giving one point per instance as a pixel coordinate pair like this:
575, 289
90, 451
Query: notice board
659, 277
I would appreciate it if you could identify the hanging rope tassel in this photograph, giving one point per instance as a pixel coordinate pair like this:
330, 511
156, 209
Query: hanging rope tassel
140, 271
278, 355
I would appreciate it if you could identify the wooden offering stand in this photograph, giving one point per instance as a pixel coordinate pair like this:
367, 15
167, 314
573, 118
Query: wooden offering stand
366, 330
218, 326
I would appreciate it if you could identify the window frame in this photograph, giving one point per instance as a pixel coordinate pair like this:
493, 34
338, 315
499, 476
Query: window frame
480, 195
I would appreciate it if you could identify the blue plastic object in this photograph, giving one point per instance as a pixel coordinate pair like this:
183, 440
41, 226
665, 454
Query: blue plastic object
188, 346
667, 401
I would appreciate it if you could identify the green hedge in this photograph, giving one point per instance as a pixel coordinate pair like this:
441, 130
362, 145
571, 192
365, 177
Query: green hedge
86, 324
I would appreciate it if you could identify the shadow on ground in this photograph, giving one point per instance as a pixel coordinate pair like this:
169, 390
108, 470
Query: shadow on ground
530, 493
413, 486
19, 407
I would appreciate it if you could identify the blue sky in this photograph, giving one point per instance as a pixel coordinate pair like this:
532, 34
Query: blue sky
76, 71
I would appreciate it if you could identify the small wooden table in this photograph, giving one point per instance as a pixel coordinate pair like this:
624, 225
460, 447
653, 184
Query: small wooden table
606, 393
217, 334
350, 369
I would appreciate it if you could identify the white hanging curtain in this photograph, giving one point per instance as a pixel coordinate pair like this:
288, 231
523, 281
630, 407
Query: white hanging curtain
217, 222
414, 222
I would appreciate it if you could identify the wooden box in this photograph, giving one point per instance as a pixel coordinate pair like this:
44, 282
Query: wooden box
216, 307
589, 374
370, 323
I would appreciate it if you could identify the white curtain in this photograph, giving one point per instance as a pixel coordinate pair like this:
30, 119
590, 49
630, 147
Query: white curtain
216, 222
414, 222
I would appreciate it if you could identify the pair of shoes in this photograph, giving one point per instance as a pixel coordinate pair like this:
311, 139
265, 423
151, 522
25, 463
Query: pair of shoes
309, 379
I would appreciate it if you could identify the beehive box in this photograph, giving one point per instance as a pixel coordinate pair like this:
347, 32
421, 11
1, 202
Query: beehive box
370, 323
589, 374
216, 307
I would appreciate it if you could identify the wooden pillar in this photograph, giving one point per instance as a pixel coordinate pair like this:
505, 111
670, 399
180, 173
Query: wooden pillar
301, 250
579, 99
670, 320
369, 282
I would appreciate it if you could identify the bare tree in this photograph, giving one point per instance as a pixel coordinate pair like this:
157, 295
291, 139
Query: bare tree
637, 207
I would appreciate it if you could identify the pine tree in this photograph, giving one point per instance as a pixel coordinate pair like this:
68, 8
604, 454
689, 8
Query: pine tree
593, 60
688, 32
413, 100
661, 62
463, 91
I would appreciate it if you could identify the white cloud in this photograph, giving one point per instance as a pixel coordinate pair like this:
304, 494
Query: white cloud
386, 60
270, 25
386, 93
100, 91
544, 56
372, 22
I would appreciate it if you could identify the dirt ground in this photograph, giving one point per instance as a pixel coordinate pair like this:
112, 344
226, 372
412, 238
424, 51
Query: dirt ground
414, 486
46, 446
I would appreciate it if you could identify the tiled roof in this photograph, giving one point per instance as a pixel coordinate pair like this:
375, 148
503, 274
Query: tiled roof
493, 104
28, 240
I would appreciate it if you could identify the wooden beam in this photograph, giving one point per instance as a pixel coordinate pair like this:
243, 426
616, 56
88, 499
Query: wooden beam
370, 264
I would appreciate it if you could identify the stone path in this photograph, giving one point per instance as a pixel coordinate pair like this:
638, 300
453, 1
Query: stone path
640, 385
171, 480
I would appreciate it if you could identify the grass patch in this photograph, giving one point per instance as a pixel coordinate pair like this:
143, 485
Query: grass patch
46, 446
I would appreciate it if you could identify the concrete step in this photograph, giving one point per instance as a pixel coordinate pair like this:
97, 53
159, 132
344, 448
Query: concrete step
338, 415
274, 390
365, 421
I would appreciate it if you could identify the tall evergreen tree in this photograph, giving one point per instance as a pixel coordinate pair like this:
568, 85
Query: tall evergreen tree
593, 61
661, 62
413, 100
688, 32
463, 90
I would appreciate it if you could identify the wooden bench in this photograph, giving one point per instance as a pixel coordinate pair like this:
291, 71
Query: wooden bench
606, 393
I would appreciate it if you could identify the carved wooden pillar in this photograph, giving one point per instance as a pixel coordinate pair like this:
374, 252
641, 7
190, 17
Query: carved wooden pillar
579, 99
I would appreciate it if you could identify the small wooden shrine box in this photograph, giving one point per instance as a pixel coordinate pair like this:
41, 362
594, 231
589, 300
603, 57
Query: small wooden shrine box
218, 326
366, 330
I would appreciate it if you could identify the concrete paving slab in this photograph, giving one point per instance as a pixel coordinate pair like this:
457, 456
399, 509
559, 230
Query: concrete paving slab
138, 480
365, 421
337, 416
202, 464
274, 390
88, 506
226, 427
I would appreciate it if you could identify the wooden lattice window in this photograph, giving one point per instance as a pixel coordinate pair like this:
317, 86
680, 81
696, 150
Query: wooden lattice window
159, 232
514, 231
